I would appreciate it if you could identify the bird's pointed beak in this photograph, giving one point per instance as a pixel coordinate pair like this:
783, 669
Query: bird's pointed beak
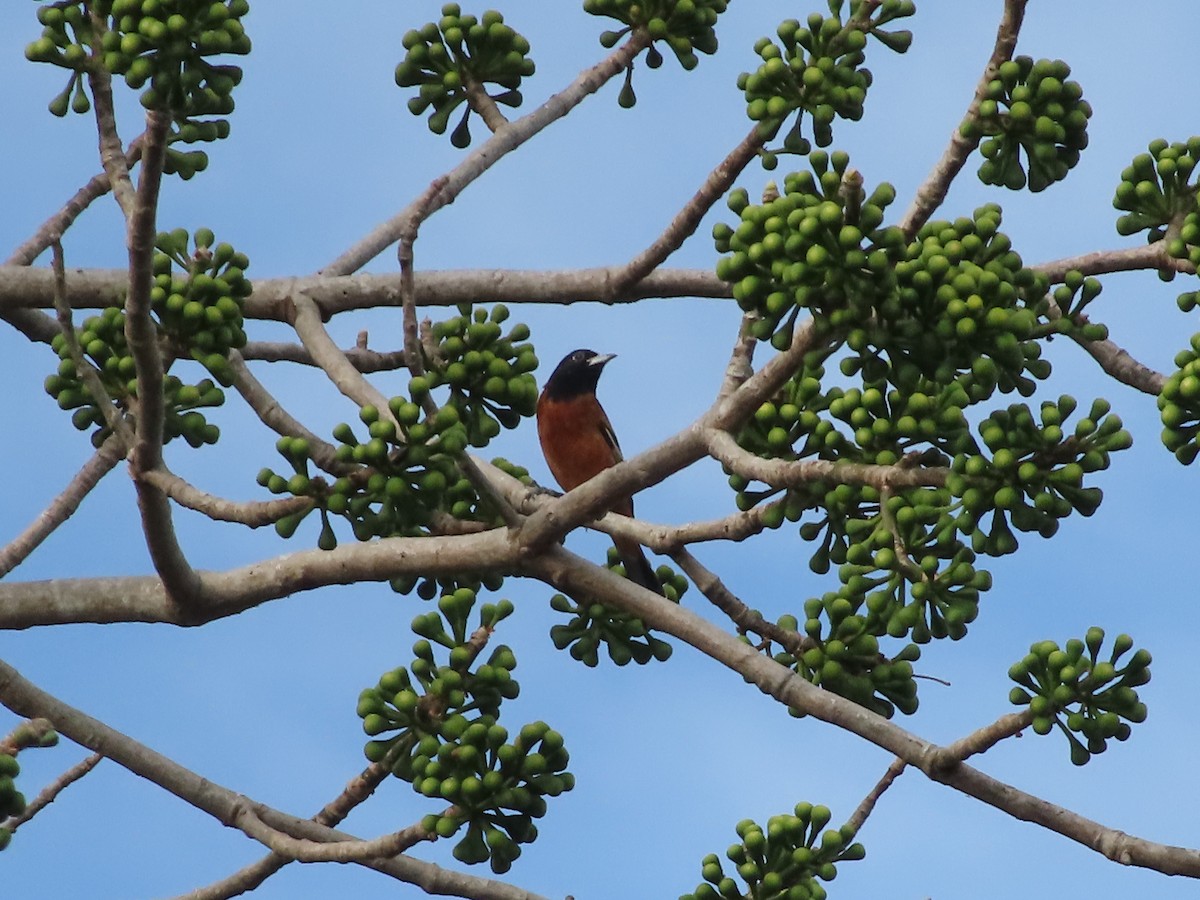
601, 358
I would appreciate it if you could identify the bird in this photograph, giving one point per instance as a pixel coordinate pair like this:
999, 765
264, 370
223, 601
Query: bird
579, 443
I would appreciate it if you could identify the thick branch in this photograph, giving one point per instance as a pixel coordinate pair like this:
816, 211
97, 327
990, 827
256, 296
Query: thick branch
22, 287
223, 804
220, 594
577, 577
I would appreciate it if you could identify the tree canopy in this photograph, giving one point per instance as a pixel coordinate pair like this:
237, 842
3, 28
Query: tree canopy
901, 301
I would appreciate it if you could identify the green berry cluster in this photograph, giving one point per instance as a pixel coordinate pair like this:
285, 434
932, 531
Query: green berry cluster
782, 862
965, 302
1179, 404
906, 558
685, 25
497, 787
200, 309
819, 246
1072, 297
102, 340
436, 725
817, 68
1074, 689
444, 58
1035, 475
425, 698
1032, 107
405, 470
12, 801
163, 43
625, 637
842, 656
489, 373
1156, 192
395, 479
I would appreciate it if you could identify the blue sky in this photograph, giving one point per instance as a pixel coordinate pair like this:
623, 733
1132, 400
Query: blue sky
668, 758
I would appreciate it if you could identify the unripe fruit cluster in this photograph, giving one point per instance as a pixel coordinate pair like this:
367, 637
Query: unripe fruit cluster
201, 308
12, 801
785, 860
1035, 475
818, 246
404, 471
102, 340
818, 70
498, 787
419, 719
489, 373
965, 302
1032, 107
1179, 405
1156, 192
686, 26
625, 637
1072, 298
162, 43
444, 58
1083, 695
845, 659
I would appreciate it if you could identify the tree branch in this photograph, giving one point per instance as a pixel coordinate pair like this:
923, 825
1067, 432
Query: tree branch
50, 792
219, 802
63, 506
577, 577
504, 141
24, 287
933, 191
688, 218
220, 594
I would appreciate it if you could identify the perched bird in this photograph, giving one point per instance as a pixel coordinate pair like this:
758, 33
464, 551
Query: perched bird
578, 443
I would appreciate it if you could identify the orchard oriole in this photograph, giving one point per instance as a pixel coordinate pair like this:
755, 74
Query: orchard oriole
578, 443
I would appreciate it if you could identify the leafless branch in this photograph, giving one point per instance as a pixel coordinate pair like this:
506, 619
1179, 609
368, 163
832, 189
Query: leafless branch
50, 792
504, 141
577, 577
226, 806
684, 224
864, 810
63, 506
933, 190
220, 594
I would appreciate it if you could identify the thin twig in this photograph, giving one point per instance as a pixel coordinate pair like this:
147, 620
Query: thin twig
55, 226
499, 145
253, 514
867, 806
278, 419
685, 222
87, 373
63, 506
745, 618
50, 792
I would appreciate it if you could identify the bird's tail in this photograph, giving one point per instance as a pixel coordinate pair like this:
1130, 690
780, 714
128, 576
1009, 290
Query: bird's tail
637, 567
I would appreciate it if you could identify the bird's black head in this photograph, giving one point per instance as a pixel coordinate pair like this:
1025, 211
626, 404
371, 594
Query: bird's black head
577, 374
